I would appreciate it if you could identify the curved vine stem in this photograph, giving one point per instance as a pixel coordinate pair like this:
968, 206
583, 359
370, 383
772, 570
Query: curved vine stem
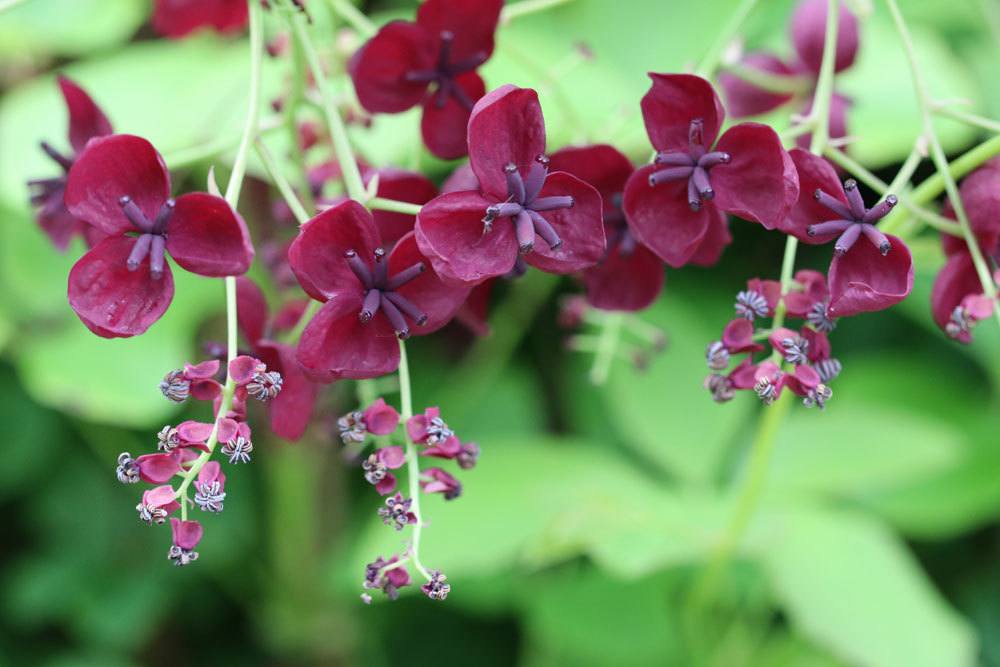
412, 462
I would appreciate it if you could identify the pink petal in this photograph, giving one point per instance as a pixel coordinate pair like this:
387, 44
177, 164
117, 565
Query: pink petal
336, 344
317, 255
506, 127
808, 33
157, 468
862, 280
192, 432
580, 227
111, 300
202, 371
673, 101
230, 428
416, 426
744, 98
251, 309
205, 390
624, 282
386, 485
449, 232
380, 67
112, 167
393, 457
444, 128
448, 449
956, 280
738, 336
602, 166
211, 472
463, 179
178, 18
399, 185
243, 368
206, 236
802, 380
381, 418
814, 173
292, 408
162, 497
435, 298
659, 216
472, 22
760, 183
186, 534
86, 120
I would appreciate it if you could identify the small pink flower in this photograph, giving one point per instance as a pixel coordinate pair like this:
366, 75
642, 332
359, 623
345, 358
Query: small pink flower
186, 536
437, 480
157, 504
377, 467
428, 428
380, 418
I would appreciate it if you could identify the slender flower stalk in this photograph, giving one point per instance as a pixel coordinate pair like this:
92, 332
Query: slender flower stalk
412, 462
280, 182
354, 17
382, 204
607, 346
926, 105
987, 124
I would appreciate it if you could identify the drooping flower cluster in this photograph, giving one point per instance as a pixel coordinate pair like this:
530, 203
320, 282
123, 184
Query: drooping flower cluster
185, 450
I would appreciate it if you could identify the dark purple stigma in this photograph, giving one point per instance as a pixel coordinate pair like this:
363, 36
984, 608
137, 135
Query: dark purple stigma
693, 165
525, 207
380, 291
853, 219
152, 239
445, 72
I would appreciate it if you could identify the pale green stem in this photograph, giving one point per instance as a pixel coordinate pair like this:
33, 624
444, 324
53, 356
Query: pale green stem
355, 17
968, 118
711, 60
232, 196
279, 180
312, 308
338, 132
412, 462
905, 173
526, 7
940, 161
932, 219
381, 204
607, 346
775, 83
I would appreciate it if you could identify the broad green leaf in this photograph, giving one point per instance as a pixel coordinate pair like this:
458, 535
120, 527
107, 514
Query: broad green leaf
42, 29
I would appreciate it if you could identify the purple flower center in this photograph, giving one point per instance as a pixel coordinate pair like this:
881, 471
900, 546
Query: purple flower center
693, 165
853, 219
152, 239
525, 207
380, 291
445, 72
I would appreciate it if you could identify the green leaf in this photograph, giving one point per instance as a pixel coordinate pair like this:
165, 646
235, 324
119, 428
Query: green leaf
45, 28
848, 583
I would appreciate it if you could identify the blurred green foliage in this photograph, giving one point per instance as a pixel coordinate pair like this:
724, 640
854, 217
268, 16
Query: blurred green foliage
578, 534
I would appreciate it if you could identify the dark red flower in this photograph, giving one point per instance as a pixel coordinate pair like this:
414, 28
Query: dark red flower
745, 99
369, 297
178, 18
120, 185
807, 31
431, 62
676, 206
629, 276
475, 235
86, 121
292, 408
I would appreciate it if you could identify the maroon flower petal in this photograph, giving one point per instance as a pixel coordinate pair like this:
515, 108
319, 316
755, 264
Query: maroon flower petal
449, 232
506, 127
715, 240
186, 534
661, 219
317, 253
814, 290
744, 98
243, 368
474, 313
206, 236
815, 173
600, 165
444, 127
111, 300
157, 468
673, 101
192, 432
59, 224
112, 167
337, 344
624, 282
760, 183
839, 106
380, 67
86, 120
202, 371
738, 336
251, 309
178, 18
463, 179
292, 408
580, 227
471, 22
436, 299
808, 33
399, 185
862, 280
956, 280
980, 193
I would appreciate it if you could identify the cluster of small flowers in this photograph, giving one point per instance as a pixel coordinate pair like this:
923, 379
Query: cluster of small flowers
184, 450
435, 439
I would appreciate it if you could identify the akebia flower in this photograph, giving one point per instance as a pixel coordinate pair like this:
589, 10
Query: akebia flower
120, 185
187, 535
178, 18
431, 62
377, 466
369, 296
866, 274
437, 480
521, 209
808, 33
677, 205
629, 276
86, 121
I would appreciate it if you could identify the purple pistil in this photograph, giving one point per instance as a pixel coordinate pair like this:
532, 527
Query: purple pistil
853, 219
525, 207
445, 72
152, 239
693, 165
380, 291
